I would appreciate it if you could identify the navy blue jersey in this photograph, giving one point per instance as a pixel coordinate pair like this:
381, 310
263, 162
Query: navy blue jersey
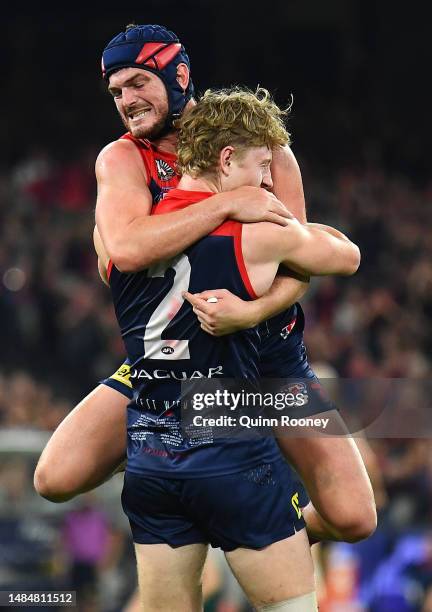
282, 350
166, 345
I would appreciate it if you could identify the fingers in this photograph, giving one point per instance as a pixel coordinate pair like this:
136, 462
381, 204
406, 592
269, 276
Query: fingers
204, 317
208, 293
200, 299
280, 209
204, 310
276, 218
194, 299
199, 306
207, 329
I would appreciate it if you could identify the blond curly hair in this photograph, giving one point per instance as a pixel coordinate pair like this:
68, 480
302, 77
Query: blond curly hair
238, 117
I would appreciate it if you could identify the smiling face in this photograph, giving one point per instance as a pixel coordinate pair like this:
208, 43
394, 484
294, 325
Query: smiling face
141, 100
240, 167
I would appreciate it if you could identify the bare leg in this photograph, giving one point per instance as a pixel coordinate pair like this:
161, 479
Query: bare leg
343, 505
86, 448
279, 572
170, 578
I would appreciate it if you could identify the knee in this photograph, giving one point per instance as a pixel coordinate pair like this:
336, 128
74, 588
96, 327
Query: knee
50, 485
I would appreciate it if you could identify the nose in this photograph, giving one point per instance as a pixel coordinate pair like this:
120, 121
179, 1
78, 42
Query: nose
267, 181
128, 96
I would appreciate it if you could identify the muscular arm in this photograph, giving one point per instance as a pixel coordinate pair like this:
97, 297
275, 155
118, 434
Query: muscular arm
288, 188
285, 291
308, 249
287, 182
134, 240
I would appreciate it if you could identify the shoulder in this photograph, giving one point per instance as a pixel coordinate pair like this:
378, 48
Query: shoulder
284, 157
119, 157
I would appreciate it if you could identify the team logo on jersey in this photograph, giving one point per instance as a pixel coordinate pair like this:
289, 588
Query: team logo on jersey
297, 393
297, 387
164, 170
285, 332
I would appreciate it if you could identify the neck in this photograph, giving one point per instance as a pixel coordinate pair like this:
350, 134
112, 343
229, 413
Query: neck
168, 142
200, 183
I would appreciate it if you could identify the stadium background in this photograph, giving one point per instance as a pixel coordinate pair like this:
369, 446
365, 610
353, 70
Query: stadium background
360, 124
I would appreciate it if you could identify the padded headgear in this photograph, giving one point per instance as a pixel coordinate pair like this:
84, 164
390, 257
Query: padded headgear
156, 49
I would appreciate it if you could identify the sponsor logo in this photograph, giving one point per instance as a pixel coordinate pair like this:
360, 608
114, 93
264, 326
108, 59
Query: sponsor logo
123, 375
285, 331
164, 170
296, 504
183, 375
167, 350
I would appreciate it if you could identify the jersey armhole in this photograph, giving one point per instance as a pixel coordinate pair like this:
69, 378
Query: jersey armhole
140, 146
238, 228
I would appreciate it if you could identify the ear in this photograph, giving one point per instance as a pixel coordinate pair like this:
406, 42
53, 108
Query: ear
225, 158
183, 76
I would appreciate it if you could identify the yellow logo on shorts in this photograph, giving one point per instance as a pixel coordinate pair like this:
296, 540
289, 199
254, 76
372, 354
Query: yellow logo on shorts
295, 503
123, 375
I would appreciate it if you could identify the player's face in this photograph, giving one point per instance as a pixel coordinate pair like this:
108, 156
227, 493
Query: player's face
141, 100
251, 168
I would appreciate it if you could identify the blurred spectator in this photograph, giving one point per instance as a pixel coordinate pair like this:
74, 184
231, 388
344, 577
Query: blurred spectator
59, 336
86, 553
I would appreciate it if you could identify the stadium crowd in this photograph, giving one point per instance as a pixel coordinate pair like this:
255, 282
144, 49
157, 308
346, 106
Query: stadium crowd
59, 337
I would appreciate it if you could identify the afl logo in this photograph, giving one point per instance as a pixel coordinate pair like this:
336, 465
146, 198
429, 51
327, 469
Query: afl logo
164, 170
167, 350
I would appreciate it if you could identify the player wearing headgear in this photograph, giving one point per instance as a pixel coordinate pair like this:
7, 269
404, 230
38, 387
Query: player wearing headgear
132, 174
183, 490
156, 50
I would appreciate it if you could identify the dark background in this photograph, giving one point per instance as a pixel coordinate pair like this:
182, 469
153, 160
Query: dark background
358, 70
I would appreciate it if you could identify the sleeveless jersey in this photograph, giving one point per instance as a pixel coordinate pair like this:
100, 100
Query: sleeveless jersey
165, 345
160, 168
282, 349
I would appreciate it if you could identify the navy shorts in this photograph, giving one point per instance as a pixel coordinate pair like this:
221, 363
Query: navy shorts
249, 509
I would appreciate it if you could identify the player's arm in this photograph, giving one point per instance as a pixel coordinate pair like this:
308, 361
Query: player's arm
134, 240
288, 287
231, 313
287, 182
103, 258
309, 249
